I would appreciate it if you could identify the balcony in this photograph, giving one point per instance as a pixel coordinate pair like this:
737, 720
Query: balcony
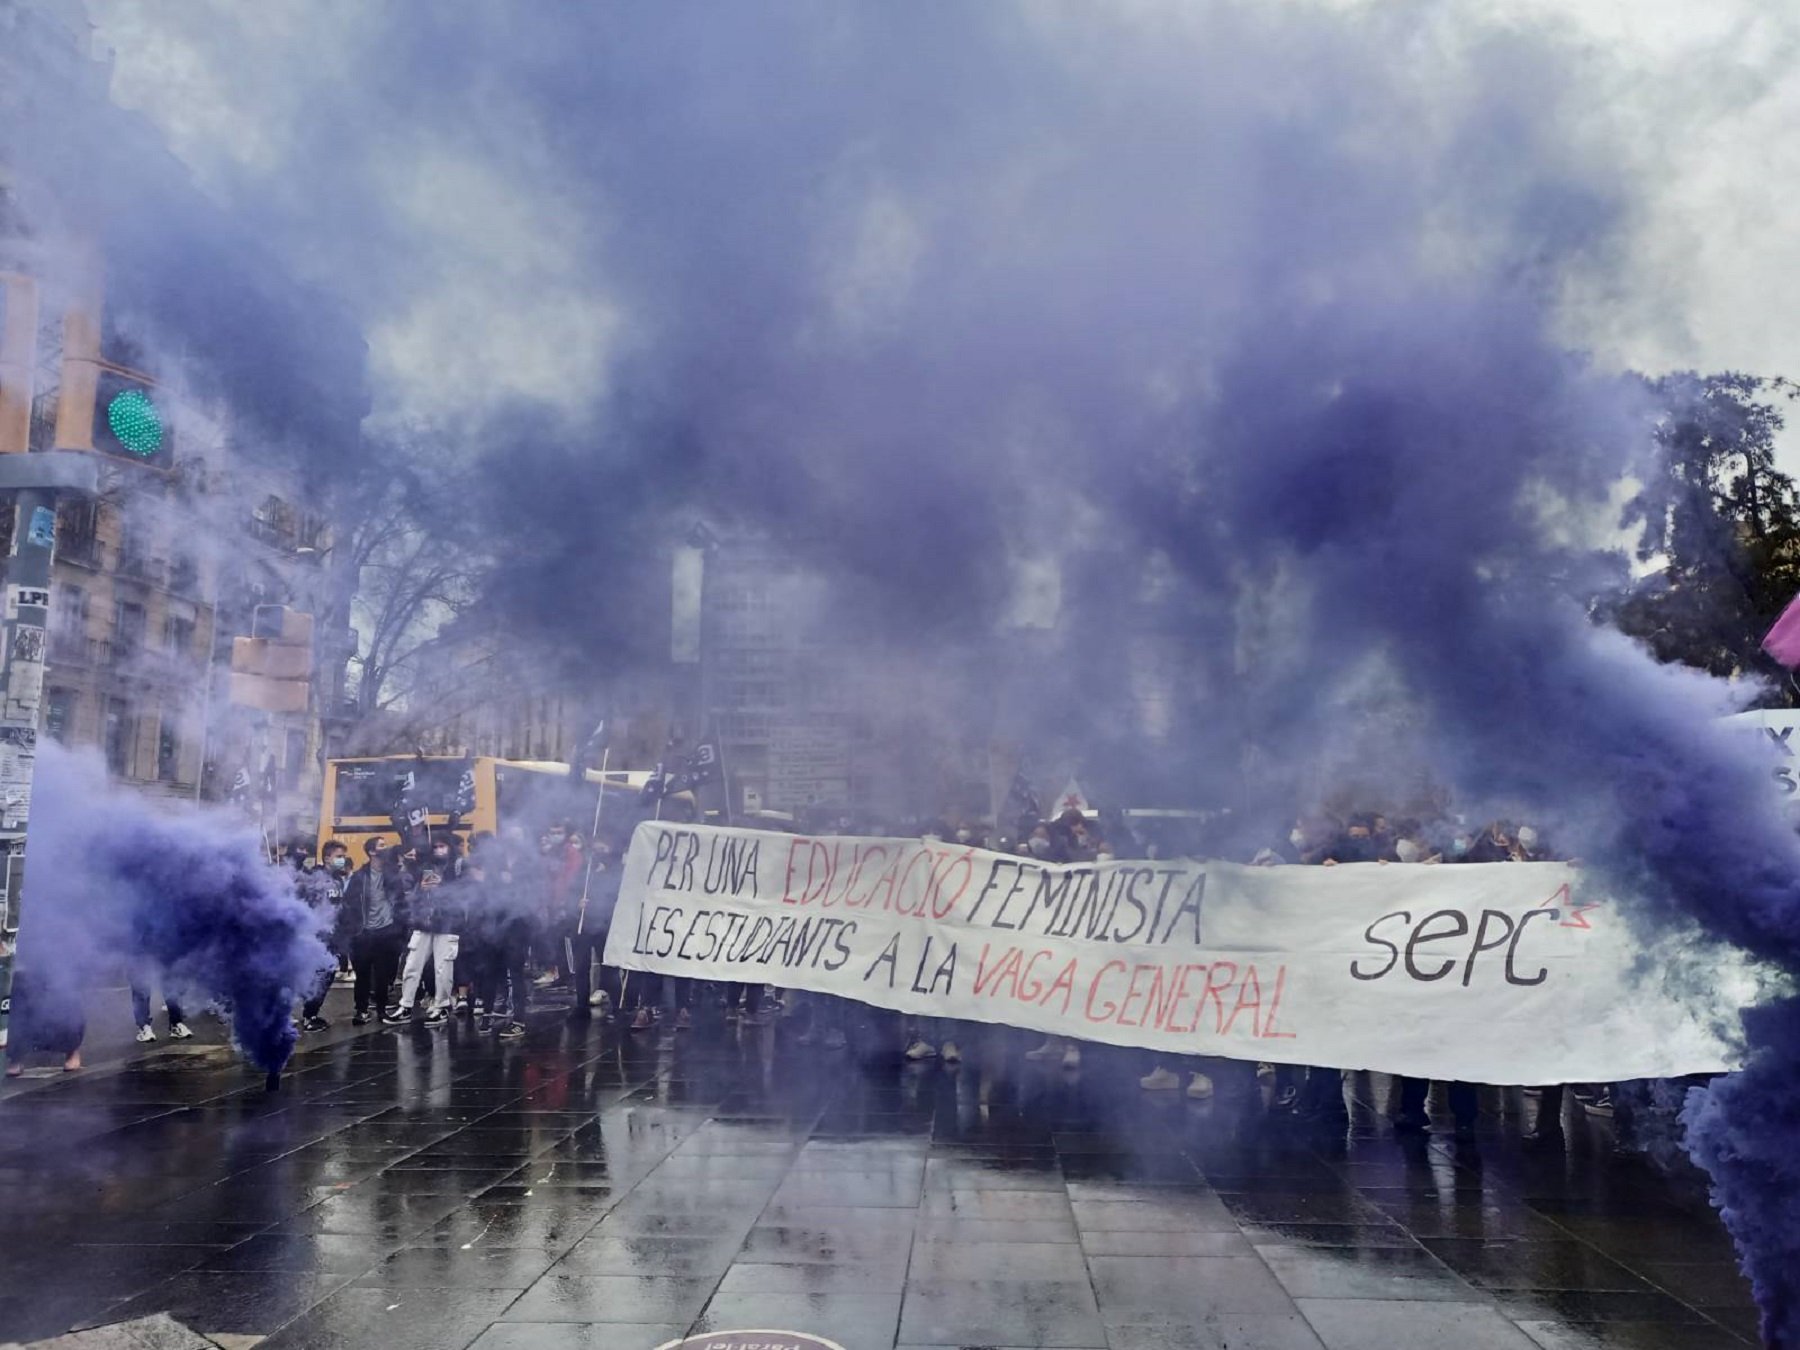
84, 550
150, 571
276, 535
69, 647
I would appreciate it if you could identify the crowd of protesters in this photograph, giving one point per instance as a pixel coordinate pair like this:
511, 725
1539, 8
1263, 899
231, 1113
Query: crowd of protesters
426, 929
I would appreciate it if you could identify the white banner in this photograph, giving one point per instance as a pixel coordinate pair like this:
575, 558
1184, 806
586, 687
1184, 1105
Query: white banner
1498, 972
1776, 732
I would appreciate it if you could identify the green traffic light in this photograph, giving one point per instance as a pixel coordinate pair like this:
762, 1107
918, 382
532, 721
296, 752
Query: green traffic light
134, 419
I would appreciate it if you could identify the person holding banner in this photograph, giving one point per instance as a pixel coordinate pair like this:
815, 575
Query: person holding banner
586, 942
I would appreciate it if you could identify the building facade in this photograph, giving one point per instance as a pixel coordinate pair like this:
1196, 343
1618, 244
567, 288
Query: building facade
191, 530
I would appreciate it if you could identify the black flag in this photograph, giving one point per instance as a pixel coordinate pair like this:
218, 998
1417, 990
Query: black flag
700, 767
410, 808
588, 751
1021, 802
240, 790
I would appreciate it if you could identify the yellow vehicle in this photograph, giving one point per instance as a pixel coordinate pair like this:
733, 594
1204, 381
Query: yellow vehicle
361, 796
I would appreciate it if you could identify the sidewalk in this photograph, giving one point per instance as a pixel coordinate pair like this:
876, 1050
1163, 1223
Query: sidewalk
414, 1187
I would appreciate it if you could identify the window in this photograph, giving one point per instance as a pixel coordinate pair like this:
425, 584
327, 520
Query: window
178, 637
70, 615
118, 736
128, 628
168, 750
184, 574
59, 714
78, 532
273, 523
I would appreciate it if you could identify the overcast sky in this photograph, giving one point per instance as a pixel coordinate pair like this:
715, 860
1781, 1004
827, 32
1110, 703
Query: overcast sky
1701, 99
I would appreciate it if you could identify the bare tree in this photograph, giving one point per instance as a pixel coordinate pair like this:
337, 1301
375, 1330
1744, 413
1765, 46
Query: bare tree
403, 569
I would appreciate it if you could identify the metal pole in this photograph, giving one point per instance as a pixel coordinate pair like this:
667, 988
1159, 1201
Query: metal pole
23, 630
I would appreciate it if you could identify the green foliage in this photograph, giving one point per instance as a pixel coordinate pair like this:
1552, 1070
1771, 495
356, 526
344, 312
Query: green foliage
1721, 520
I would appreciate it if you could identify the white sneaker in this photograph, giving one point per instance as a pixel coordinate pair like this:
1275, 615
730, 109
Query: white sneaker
1265, 1072
545, 980
1200, 1088
597, 999
1048, 1050
1072, 1057
921, 1050
180, 1032
950, 1054
146, 1034
1160, 1080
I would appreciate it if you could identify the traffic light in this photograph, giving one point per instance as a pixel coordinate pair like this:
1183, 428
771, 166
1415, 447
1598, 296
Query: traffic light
132, 422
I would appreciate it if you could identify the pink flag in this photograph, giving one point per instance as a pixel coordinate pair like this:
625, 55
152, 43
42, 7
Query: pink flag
1783, 640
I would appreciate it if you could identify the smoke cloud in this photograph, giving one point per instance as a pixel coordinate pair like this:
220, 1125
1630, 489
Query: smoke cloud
1248, 320
187, 892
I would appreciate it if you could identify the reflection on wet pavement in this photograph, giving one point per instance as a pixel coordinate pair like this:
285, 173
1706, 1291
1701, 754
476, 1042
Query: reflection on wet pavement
591, 1188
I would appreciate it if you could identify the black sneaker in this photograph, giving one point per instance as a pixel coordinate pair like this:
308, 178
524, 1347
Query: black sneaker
436, 1017
315, 1024
484, 1024
362, 1019
393, 1017
512, 1031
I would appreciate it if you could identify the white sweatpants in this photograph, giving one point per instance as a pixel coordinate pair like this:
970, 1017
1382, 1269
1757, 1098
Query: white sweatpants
440, 950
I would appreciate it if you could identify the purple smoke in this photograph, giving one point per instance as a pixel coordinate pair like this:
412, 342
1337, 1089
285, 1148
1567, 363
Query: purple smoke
115, 878
1261, 301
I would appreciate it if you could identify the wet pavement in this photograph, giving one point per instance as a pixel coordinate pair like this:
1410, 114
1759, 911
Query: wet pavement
588, 1187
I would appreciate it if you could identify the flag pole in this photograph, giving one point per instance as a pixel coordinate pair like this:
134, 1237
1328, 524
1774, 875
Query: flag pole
593, 840
724, 776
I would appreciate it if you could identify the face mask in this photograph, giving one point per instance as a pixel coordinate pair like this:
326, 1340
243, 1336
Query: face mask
963, 836
340, 863
1103, 857
1459, 845
1296, 837
1527, 838
1040, 848
440, 855
1407, 851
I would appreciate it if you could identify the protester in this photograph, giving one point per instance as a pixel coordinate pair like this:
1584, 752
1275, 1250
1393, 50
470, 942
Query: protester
140, 977
1495, 844
436, 920
47, 1019
495, 940
323, 889
374, 919
586, 943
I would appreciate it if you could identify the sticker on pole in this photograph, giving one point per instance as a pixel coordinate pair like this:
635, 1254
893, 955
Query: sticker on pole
26, 597
41, 532
752, 1340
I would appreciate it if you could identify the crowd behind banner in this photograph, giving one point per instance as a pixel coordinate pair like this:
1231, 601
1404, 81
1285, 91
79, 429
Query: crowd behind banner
428, 928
